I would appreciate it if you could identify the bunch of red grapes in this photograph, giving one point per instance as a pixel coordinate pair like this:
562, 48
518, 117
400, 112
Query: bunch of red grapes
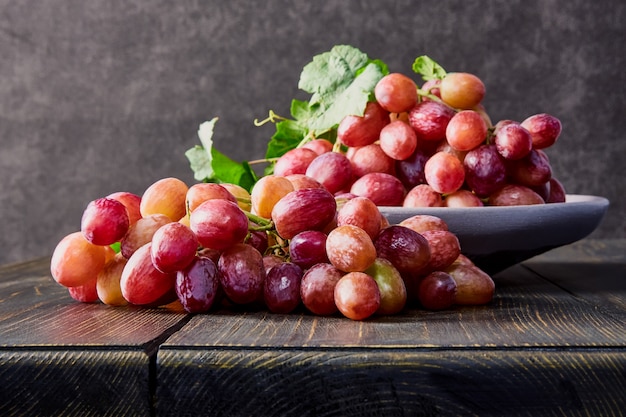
288, 244
311, 234
434, 146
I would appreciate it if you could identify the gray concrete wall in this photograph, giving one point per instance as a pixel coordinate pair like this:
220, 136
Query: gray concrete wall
104, 96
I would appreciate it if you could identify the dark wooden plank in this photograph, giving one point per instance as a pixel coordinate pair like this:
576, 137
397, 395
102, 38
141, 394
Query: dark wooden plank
422, 382
593, 270
527, 311
35, 310
75, 383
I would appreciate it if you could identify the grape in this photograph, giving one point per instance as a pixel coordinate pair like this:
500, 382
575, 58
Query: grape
317, 289
197, 286
423, 222
422, 195
406, 249
349, 248
357, 295
383, 189
242, 196
398, 140
411, 170
331, 169
242, 273
306, 209
201, 192
219, 224
396, 93
75, 261
393, 294
165, 196
444, 173
308, 248
444, 248
300, 181
544, 129
462, 90
363, 130
370, 158
557, 191
462, 198
514, 195
437, 291
132, 203
141, 233
266, 192
430, 119
108, 283
485, 171
270, 261
142, 284
294, 161
466, 130
532, 170
258, 239
173, 247
105, 221
320, 146
360, 212
473, 285
281, 291
85, 293
512, 140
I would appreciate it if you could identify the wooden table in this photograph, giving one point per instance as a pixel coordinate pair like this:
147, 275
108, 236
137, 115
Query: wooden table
553, 342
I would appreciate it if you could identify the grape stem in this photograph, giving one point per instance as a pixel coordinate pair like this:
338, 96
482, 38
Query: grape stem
272, 117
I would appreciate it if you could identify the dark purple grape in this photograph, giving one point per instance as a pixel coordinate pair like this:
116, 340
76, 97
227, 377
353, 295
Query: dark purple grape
242, 273
485, 171
437, 291
281, 291
308, 248
197, 286
411, 170
406, 249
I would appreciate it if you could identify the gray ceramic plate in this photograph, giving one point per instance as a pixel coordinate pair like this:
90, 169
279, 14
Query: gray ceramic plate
499, 237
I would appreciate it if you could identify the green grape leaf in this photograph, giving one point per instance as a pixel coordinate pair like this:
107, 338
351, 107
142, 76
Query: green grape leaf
289, 133
210, 165
428, 68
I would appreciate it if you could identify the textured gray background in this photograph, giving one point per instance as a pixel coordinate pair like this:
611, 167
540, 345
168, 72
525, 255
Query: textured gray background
104, 96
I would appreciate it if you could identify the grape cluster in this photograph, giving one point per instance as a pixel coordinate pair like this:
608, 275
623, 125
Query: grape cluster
433, 146
289, 243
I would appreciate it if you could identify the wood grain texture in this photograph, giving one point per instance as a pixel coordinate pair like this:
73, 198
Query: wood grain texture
35, 310
421, 382
74, 383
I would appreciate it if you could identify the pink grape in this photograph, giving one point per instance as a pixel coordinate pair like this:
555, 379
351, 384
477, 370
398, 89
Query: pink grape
406, 249
398, 140
544, 129
383, 189
370, 158
514, 195
294, 161
444, 173
430, 119
423, 195
105, 221
466, 130
173, 247
532, 170
363, 130
462, 90
357, 295
512, 141
331, 169
317, 289
306, 209
219, 224
462, 198
396, 93
361, 212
